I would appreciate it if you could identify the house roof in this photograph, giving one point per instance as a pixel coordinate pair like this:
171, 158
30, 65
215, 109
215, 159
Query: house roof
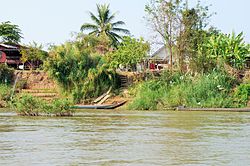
158, 51
8, 46
159, 54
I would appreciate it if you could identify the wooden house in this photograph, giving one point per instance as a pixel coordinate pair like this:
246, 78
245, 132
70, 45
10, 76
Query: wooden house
10, 54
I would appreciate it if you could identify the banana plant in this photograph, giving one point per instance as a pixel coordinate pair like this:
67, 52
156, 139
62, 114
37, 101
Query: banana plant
231, 48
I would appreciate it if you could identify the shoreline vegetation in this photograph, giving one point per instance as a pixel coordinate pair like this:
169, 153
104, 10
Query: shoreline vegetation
206, 68
169, 91
27, 105
217, 89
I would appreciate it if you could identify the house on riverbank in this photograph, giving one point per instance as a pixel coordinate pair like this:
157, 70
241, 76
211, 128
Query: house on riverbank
160, 59
10, 54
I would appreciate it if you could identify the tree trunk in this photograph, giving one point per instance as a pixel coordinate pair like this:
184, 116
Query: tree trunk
171, 55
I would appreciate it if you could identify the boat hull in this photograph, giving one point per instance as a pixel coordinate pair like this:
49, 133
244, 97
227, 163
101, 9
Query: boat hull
105, 106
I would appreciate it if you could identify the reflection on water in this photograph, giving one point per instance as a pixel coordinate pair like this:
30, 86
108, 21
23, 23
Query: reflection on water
126, 138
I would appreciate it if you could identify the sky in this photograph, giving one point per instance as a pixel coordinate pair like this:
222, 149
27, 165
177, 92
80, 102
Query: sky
53, 21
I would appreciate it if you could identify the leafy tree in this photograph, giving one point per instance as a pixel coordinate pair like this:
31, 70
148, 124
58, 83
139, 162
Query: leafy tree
130, 52
194, 21
104, 25
180, 27
164, 16
93, 44
10, 33
33, 53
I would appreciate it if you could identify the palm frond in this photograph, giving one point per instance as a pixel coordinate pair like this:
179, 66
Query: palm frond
88, 26
115, 24
99, 11
111, 18
118, 37
114, 38
96, 33
106, 14
103, 12
94, 18
121, 30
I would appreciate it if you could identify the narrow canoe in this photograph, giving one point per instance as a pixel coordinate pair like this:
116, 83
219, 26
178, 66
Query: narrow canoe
214, 109
103, 106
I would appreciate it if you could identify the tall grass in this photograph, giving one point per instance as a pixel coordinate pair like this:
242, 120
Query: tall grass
5, 94
242, 94
148, 95
208, 90
214, 89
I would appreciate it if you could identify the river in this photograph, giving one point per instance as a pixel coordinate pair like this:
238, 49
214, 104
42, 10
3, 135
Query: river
126, 138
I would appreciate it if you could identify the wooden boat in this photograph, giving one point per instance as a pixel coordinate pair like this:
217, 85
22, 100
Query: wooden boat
103, 106
214, 109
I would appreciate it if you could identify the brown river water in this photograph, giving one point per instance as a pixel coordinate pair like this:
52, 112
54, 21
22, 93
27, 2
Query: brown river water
126, 138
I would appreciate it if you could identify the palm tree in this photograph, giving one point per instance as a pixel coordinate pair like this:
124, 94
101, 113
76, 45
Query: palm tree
104, 25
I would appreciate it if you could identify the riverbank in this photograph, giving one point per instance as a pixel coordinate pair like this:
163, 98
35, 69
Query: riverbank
8, 113
216, 91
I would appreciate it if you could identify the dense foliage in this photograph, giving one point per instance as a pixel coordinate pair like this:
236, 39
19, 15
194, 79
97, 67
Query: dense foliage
179, 27
242, 94
33, 54
79, 73
28, 105
92, 44
203, 90
231, 48
5, 94
129, 53
6, 74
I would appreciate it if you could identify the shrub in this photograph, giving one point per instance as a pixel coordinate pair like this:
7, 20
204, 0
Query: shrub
148, 96
28, 105
242, 94
206, 88
58, 107
6, 74
82, 75
5, 92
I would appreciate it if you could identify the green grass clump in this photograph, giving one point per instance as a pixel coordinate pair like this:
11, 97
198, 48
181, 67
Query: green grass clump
6, 74
148, 96
58, 107
242, 94
27, 105
5, 94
